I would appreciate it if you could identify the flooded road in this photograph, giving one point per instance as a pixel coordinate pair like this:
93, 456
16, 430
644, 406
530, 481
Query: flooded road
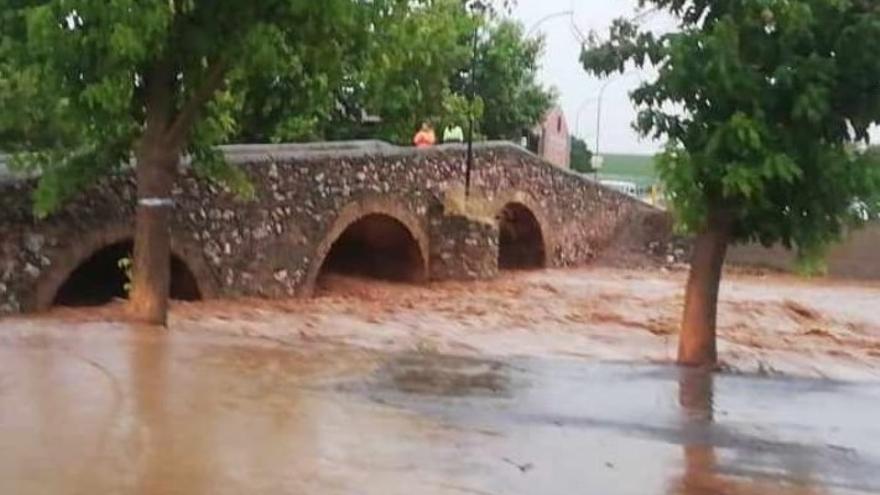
114, 409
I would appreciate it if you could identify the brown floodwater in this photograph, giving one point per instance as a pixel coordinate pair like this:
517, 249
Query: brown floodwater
768, 324
545, 382
112, 409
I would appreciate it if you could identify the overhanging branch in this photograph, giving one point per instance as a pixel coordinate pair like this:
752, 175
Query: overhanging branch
190, 110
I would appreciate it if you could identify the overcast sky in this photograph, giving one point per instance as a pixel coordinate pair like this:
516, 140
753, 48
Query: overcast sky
577, 91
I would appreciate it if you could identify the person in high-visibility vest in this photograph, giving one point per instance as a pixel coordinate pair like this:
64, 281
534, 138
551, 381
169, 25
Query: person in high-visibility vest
453, 134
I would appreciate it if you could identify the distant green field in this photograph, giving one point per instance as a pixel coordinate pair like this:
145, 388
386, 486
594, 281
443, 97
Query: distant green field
635, 168
632, 165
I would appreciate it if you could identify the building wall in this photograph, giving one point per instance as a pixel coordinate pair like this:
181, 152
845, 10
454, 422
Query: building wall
856, 257
555, 140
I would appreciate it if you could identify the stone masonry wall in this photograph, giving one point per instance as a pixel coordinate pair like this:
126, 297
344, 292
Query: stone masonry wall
306, 196
463, 249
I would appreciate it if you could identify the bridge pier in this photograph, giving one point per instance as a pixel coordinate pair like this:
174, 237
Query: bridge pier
463, 248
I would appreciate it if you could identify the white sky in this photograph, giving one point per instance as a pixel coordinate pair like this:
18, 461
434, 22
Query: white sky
561, 68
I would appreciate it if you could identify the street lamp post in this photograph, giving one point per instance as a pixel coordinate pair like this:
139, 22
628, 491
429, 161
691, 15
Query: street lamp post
577, 119
477, 8
596, 152
564, 13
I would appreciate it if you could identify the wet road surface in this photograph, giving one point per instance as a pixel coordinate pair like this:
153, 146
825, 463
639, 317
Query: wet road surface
119, 410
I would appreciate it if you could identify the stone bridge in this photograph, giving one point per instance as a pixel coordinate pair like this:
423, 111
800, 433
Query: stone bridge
364, 208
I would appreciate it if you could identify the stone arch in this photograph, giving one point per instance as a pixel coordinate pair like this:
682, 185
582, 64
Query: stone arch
357, 219
195, 279
524, 239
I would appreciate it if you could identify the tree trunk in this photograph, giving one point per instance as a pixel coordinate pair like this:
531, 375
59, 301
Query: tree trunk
696, 346
158, 154
156, 170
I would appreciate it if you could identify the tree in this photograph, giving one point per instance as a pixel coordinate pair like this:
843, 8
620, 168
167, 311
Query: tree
581, 156
418, 68
409, 66
412, 65
95, 82
507, 72
771, 96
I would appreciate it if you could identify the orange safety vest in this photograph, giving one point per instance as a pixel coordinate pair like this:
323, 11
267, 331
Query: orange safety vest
424, 139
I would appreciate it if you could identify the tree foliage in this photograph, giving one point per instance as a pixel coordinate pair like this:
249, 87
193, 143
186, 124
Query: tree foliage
419, 67
403, 62
761, 102
80, 78
581, 156
507, 82
408, 69
73, 78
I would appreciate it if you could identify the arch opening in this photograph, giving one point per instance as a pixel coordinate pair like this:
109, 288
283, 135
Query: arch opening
100, 280
376, 246
520, 241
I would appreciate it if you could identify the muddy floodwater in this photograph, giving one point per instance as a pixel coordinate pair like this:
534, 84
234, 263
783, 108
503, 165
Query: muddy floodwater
539, 383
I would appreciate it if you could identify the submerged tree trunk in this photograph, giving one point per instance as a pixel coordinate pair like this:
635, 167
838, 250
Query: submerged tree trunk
156, 170
158, 153
696, 346
157, 158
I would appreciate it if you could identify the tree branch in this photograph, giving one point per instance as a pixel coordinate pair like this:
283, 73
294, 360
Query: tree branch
185, 119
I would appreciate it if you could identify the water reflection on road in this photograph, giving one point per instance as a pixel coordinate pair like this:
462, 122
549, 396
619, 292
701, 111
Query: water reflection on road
704, 468
135, 411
